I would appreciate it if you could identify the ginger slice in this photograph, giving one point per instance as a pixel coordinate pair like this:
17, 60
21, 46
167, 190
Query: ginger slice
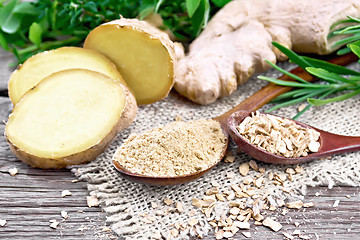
69, 118
143, 55
41, 65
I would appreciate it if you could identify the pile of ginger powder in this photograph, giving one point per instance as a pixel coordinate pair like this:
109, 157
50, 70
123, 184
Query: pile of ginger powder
176, 149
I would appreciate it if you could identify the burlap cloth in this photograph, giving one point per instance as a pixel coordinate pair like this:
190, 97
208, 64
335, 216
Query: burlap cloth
123, 201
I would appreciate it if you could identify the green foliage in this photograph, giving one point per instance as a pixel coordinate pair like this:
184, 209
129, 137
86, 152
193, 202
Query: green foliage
30, 27
352, 32
335, 79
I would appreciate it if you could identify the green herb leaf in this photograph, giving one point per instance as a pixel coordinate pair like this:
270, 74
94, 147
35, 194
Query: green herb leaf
158, 5
317, 63
220, 3
294, 84
296, 100
144, 13
9, 21
347, 40
343, 51
320, 102
6, 11
26, 8
287, 73
35, 32
3, 42
200, 17
292, 56
327, 76
355, 49
192, 6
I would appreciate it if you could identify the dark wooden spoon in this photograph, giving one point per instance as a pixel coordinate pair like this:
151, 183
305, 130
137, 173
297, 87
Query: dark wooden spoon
254, 102
330, 143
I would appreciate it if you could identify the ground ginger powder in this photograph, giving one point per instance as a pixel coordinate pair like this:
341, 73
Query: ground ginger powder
176, 149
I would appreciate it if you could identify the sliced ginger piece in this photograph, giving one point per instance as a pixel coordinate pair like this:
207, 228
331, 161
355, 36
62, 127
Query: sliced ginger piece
70, 117
143, 55
41, 65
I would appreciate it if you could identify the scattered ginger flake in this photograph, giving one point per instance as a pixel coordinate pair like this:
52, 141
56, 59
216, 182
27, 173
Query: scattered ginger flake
275, 226
259, 182
174, 232
298, 169
207, 211
220, 197
253, 165
271, 176
197, 203
244, 169
154, 205
219, 234
228, 234
229, 159
286, 189
168, 201
297, 204
234, 211
290, 171
179, 207
54, 224
13, 171
65, 193
2, 222
192, 222
302, 107
248, 180
212, 191
309, 204
105, 229
246, 234
215, 183
64, 214
230, 175
336, 203
242, 225
191, 213
288, 236
92, 201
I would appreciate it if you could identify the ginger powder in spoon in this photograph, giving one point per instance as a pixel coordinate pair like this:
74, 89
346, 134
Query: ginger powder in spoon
176, 149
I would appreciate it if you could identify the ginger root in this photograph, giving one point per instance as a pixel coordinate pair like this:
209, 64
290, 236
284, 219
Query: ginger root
237, 41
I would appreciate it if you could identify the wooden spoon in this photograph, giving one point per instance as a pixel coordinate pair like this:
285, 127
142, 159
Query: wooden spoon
330, 143
254, 102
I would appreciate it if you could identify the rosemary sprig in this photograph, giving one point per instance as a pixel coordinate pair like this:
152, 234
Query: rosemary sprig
336, 79
352, 31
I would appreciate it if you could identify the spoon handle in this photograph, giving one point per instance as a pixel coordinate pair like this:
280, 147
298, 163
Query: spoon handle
335, 144
271, 91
